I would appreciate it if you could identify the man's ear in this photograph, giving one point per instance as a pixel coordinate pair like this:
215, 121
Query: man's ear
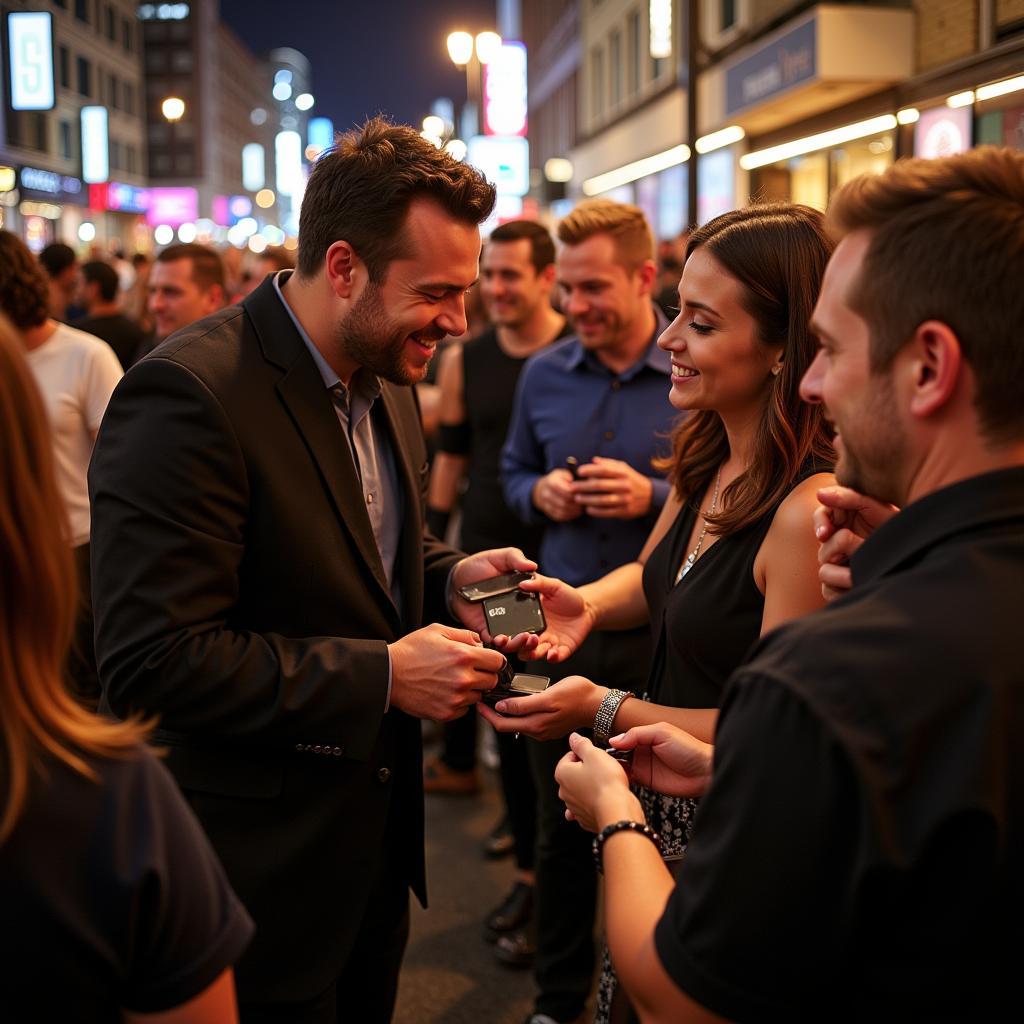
647, 272
548, 274
343, 268
934, 367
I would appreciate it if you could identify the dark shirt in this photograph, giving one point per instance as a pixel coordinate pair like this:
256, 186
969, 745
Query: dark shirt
569, 403
123, 335
111, 897
858, 856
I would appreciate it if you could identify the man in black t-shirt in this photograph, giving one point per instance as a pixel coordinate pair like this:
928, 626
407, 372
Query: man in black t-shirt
104, 318
857, 854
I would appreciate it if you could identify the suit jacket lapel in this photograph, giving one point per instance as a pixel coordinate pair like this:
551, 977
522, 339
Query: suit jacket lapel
303, 392
410, 562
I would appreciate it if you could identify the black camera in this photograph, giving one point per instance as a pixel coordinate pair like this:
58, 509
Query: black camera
507, 609
514, 684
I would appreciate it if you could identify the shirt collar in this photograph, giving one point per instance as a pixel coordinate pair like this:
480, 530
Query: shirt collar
975, 503
365, 382
653, 358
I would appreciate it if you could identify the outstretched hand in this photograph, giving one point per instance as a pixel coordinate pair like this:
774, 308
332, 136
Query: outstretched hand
484, 566
667, 759
569, 704
568, 619
593, 787
843, 520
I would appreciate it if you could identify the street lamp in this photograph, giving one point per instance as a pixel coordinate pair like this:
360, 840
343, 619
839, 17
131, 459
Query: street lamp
472, 53
173, 109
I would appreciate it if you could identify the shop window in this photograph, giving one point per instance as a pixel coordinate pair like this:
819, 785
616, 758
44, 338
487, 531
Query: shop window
82, 10
130, 159
111, 24
726, 15
41, 139
84, 77
64, 67
127, 35
115, 155
128, 97
112, 92
723, 20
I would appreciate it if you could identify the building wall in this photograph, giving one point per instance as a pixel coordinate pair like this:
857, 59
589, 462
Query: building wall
946, 31
1009, 11
90, 67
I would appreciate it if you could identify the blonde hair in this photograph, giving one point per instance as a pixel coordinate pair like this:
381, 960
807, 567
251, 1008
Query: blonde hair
38, 597
626, 224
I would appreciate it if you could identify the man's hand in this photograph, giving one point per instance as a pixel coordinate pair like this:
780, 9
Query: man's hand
439, 671
667, 759
593, 787
612, 489
555, 495
569, 704
843, 520
484, 566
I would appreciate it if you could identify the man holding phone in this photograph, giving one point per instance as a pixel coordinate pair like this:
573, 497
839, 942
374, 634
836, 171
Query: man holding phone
596, 401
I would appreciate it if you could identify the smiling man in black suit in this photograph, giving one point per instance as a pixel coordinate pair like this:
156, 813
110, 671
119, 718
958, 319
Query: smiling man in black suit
262, 572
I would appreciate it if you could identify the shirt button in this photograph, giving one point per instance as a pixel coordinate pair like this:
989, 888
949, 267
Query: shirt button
383, 774
317, 749
608, 435
369, 499
338, 751
300, 748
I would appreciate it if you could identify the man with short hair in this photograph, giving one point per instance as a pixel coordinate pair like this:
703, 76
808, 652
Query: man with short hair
262, 573
601, 398
186, 283
857, 855
103, 317
61, 266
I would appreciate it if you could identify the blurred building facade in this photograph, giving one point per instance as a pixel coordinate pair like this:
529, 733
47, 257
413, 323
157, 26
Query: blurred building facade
96, 50
792, 98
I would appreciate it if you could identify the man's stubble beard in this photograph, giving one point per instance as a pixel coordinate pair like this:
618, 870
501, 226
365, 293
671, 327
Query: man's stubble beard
370, 338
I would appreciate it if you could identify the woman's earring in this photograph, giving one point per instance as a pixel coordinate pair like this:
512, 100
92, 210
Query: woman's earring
776, 369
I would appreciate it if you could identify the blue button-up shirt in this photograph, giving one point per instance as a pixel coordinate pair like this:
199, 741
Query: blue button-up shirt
569, 403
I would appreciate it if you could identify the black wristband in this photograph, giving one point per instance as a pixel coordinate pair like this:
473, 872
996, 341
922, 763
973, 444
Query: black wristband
621, 826
437, 522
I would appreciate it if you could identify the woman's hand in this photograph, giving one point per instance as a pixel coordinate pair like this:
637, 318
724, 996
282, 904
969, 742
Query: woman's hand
593, 787
569, 619
667, 759
568, 704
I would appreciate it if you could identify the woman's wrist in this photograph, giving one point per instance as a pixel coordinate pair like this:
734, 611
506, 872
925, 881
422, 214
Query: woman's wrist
617, 806
595, 696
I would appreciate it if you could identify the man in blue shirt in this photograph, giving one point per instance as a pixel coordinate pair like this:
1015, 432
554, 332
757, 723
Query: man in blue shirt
599, 397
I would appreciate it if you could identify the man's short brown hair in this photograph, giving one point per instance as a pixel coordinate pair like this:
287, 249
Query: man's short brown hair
947, 244
24, 289
542, 248
207, 268
361, 189
627, 225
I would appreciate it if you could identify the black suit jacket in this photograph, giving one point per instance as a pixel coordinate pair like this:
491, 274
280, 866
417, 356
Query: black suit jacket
239, 596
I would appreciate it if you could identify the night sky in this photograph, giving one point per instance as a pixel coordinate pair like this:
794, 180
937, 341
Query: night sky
367, 56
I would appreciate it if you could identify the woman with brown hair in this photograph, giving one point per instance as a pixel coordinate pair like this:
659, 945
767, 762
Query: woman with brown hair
114, 908
733, 553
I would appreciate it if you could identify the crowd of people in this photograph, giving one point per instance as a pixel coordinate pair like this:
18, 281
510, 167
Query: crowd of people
773, 516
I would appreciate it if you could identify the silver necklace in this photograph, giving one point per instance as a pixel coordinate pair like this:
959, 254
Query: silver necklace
695, 553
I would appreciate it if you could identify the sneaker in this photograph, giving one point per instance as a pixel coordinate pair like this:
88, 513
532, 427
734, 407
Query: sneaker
439, 778
514, 911
501, 842
515, 949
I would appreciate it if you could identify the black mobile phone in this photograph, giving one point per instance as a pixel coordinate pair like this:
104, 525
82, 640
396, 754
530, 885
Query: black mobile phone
622, 756
573, 465
495, 586
515, 684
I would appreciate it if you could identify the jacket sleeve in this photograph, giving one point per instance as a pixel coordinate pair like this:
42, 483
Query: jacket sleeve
170, 497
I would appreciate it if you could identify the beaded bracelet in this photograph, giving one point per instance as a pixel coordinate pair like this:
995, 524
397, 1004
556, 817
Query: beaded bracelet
621, 826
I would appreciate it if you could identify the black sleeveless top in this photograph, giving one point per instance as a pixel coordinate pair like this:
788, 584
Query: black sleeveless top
490, 377
704, 625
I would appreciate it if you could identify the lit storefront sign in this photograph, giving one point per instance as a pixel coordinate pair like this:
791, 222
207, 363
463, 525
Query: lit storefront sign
320, 133
660, 21
505, 91
503, 160
254, 173
118, 197
172, 206
95, 145
30, 51
774, 69
942, 131
8, 179
38, 183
